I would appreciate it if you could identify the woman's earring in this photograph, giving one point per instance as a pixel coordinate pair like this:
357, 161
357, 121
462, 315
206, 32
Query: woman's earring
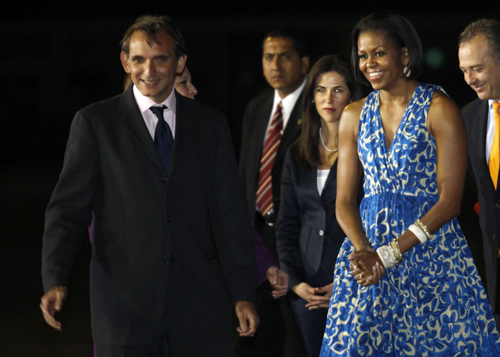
407, 71
313, 100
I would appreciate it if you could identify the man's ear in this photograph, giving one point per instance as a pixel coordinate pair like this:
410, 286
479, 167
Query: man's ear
305, 64
181, 63
125, 63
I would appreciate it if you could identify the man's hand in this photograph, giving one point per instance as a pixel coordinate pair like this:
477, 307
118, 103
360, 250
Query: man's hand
327, 291
278, 280
53, 301
247, 317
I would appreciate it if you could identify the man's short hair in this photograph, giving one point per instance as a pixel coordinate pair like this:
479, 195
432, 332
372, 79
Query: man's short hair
489, 29
150, 26
298, 39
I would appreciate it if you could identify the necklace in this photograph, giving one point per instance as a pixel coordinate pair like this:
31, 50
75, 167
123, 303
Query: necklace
322, 142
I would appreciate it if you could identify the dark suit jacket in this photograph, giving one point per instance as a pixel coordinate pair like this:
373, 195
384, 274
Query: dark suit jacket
307, 233
257, 114
146, 221
476, 119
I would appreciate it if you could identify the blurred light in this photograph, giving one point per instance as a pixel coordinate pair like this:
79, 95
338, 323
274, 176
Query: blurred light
434, 58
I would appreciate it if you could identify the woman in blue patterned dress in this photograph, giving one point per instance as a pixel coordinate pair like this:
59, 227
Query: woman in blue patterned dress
405, 283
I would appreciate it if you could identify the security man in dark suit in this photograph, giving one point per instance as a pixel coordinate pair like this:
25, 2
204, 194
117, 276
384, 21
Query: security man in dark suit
479, 56
172, 251
271, 124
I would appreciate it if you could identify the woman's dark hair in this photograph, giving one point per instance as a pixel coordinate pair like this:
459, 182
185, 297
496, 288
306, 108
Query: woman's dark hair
401, 32
307, 146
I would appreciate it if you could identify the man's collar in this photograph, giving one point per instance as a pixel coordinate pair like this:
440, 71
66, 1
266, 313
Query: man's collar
144, 103
289, 101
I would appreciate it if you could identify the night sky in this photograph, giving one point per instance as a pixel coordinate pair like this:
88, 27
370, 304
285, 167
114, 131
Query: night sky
58, 59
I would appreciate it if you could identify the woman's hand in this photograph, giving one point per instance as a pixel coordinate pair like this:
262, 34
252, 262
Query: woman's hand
324, 304
366, 267
310, 294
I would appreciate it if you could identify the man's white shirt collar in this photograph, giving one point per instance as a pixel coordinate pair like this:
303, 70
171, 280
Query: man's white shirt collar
144, 103
490, 129
288, 102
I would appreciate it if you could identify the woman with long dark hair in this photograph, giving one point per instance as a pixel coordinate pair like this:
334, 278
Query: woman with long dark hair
405, 283
307, 232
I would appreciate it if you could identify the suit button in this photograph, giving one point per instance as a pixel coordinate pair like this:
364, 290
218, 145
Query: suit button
494, 236
321, 232
170, 218
164, 178
497, 205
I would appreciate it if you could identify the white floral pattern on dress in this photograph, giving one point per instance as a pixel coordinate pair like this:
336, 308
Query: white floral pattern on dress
431, 304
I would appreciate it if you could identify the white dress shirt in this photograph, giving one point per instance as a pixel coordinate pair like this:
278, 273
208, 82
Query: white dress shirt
321, 177
288, 103
490, 129
150, 119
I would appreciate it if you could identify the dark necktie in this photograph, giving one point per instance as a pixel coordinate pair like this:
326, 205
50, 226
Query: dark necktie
164, 140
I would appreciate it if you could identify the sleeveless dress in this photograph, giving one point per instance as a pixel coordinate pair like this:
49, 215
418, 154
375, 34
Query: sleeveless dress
433, 303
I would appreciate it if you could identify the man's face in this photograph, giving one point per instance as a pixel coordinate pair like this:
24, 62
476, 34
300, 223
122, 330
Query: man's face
283, 68
153, 68
479, 67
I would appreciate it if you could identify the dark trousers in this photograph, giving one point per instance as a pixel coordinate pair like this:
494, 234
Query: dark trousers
277, 334
175, 337
311, 325
269, 340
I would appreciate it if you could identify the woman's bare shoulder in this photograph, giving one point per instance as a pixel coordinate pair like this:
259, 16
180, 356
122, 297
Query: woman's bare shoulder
353, 110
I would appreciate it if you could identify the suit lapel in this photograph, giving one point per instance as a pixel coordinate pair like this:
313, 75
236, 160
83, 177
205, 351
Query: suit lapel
292, 129
134, 123
481, 127
331, 175
261, 125
183, 123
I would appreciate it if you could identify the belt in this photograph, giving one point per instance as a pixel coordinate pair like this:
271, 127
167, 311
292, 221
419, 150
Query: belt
270, 218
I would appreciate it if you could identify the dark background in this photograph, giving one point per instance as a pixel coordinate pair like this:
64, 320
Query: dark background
55, 60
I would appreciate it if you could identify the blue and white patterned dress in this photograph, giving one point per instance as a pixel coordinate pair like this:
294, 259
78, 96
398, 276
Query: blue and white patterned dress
433, 303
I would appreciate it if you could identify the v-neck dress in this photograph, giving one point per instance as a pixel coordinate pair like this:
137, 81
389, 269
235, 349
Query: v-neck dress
433, 303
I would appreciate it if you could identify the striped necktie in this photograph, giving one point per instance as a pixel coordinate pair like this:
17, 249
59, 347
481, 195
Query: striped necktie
273, 139
494, 161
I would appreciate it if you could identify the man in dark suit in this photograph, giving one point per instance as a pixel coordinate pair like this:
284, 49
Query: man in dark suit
479, 56
271, 124
157, 172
